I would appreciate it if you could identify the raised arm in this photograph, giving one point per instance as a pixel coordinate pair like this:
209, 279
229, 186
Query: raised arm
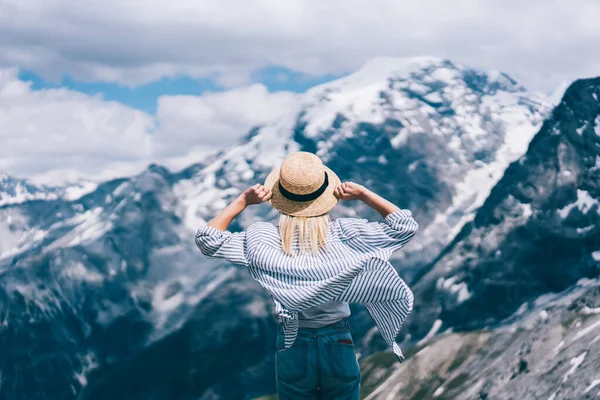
397, 228
354, 191
215, 241
254, 195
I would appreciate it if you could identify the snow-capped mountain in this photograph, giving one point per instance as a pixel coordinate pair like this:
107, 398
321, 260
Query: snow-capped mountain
538, 231
428, 134
14, 190
108, 289
537, 234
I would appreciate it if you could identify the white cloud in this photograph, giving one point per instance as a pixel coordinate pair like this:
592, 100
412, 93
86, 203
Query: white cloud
540, 42
59, 134
217, 118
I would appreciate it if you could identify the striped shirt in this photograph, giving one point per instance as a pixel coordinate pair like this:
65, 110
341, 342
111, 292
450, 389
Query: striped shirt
352, 268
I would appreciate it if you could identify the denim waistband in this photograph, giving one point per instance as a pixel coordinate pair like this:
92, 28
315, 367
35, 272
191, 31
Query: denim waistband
341, 325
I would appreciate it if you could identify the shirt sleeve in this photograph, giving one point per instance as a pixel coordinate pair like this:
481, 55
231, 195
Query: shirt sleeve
215, 243
394, 233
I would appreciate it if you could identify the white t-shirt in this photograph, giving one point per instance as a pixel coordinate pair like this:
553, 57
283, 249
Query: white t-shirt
323, 314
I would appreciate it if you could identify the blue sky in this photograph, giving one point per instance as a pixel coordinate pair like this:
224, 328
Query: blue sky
144, 97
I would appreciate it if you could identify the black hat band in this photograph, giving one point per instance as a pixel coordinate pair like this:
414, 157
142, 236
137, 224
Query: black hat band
305, 197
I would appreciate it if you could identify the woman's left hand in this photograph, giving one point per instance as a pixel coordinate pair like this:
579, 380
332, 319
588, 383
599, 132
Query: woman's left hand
255, 195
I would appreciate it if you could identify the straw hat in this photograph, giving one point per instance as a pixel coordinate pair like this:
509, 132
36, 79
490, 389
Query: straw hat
302, 186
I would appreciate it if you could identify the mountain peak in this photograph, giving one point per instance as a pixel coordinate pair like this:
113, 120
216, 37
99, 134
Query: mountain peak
381, 69
387, 66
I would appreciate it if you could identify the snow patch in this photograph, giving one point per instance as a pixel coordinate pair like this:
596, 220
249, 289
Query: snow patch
596, 255
163, 303
461, 289
42, 298
597, 125
543, 315
434, 329
575, 363
527, 212
88, 226
522, 308
77, 271
586, 229
187, 296
438, 392
596, 167
592, 385
557, 94
586, 310
122, 189
88, 363
445, 75
393, 394
584, 203
256, 308
11, 244
558, 347
433, 97
75, 192
400, 139
518, 125
586, 330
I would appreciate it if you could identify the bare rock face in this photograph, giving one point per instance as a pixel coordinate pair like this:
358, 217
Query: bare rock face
547, 350
538, 231
519, 285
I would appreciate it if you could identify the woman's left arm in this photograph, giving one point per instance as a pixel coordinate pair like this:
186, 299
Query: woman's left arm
254, 195
215, 241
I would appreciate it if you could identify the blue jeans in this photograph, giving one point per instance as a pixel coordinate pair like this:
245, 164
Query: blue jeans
320, 365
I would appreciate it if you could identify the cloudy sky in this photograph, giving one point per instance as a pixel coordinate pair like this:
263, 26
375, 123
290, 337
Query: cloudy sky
101, 88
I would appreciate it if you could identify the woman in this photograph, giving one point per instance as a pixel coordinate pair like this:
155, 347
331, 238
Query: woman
313, 268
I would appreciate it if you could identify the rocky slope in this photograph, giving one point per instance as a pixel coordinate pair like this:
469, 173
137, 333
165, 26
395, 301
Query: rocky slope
538, 231
547, 350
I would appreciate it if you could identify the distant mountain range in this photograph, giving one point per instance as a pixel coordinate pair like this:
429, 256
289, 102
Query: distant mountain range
15, 191
104, 295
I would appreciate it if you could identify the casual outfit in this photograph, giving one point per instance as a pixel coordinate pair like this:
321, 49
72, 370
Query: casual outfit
353, 268
311, 292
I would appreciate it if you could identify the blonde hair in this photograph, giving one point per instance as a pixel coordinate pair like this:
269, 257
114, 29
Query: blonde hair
311, 231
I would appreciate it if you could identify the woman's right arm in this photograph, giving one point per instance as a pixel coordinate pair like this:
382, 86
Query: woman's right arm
398, 227
378, 203
354, 191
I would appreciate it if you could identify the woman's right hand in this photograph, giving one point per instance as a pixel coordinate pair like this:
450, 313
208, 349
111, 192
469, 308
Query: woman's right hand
255, 195
350, 191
